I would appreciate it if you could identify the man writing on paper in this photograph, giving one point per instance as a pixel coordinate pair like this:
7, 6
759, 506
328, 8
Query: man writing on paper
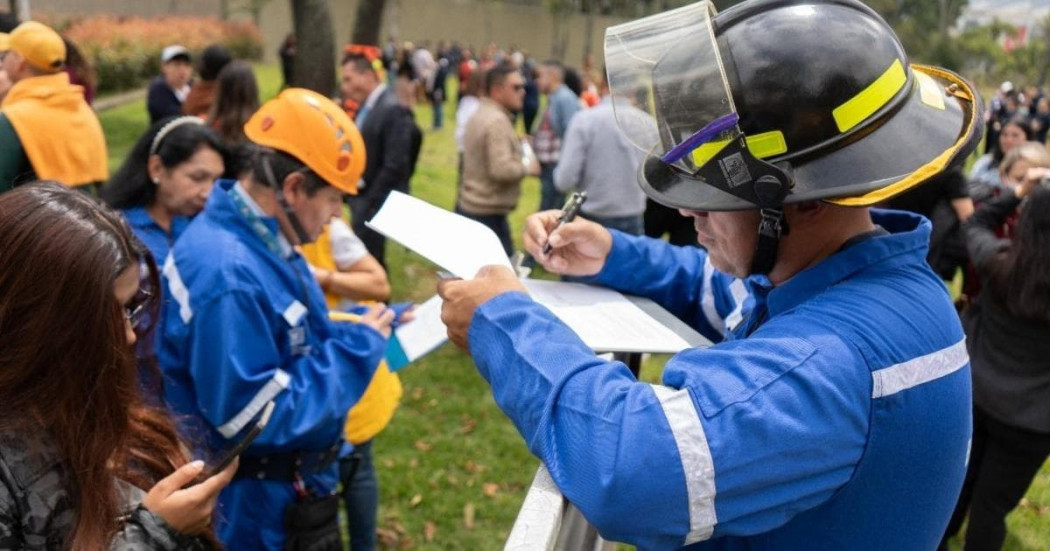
837, 415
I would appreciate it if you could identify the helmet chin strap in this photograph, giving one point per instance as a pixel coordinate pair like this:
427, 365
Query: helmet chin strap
289, 213
770, 229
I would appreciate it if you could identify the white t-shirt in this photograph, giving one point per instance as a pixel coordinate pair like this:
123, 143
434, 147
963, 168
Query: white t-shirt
347, 248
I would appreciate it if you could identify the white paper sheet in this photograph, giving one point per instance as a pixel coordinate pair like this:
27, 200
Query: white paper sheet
604, 319
425, 333
453, 242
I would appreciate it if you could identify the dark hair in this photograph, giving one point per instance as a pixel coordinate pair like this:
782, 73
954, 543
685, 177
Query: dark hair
8, 22
496, 76
212, 60
474, 83
282, 164
79, 64
236, 100
1020, 278
78, 384
572, 81
1020, 121
131, 185
360, 63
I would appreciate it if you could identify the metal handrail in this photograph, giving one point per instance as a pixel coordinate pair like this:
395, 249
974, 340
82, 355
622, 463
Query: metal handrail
548, 522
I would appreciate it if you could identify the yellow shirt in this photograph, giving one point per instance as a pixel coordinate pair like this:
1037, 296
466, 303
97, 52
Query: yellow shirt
373, 412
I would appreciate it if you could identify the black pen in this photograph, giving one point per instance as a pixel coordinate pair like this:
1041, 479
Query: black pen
568, 213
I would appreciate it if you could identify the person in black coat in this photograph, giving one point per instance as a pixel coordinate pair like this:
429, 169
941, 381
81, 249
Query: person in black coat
392, 143
1008, 339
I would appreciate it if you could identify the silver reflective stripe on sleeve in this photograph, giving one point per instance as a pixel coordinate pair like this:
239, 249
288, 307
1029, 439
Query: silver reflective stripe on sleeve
697, 464
912, 373
707, 301
178, 289
294, 313
272, 388
740, 293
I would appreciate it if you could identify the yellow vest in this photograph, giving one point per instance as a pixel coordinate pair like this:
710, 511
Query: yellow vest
373, 412
58, 129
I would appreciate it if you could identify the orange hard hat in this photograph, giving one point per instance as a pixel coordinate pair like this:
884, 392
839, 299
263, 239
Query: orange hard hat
314, 130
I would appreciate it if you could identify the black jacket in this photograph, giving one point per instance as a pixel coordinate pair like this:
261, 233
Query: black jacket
1010, 356
161, 101
392, 142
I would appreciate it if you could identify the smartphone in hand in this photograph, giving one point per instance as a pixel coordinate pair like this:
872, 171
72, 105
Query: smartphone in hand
230, 454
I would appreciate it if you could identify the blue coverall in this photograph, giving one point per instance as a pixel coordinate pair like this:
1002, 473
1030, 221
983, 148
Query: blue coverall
248, 324
836, 416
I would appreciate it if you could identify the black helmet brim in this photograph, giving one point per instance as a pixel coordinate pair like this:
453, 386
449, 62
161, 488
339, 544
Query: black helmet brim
912, 145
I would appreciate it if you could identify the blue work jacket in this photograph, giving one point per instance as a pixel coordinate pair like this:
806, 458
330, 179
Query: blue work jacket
246, 325
156, 239
837, 416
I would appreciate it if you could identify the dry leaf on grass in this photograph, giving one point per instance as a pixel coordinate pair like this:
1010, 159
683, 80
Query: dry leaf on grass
468, 516
490, 489
416, 500
473, 467
429, 531
422, 446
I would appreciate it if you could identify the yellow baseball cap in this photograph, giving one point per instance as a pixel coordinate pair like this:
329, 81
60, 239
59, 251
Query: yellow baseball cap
5, 42
39, 45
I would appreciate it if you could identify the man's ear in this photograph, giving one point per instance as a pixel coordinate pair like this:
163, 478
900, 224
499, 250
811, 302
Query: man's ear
802, 214
294, 187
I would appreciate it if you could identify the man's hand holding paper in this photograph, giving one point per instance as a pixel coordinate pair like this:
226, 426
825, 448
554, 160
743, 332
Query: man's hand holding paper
462, 297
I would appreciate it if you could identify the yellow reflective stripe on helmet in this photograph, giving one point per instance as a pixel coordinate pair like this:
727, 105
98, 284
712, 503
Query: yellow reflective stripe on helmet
708, 151
930, 93
766, 144
932, 168
872, 98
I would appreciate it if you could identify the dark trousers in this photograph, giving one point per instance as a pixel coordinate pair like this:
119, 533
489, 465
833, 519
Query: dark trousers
361, 496
1003, 461
495, 222
660, 220
362, 209
550, 197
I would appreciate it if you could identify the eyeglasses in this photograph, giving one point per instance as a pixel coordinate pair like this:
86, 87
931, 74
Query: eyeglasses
135, 309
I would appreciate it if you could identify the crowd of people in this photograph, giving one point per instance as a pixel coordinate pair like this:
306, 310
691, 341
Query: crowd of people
210, 279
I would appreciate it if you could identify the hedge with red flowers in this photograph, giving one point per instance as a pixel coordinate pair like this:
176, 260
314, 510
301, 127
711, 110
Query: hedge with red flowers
125, 51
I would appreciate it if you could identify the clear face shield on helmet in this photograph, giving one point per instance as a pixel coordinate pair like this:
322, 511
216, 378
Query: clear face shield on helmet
672, 99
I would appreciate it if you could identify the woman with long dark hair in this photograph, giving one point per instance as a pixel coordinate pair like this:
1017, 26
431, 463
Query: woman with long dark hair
166, 179
236, 100
1008, 338
78, 445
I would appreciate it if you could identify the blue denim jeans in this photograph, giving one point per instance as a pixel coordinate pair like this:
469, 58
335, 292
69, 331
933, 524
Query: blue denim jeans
361, 496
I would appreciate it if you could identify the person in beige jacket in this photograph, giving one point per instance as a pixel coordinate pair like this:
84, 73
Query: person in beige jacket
493, 163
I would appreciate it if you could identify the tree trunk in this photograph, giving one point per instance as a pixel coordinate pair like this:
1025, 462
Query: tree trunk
314, 47
368, 22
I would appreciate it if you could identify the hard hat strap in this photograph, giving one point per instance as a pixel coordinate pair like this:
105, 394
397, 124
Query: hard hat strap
770, 230
289, 213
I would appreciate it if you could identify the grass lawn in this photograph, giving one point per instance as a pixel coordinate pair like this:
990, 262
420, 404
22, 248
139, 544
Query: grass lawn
452, 469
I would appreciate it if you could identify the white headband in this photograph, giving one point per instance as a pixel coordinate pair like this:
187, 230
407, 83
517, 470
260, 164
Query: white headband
167, 128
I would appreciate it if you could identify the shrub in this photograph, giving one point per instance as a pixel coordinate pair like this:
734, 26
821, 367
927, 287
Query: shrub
125, 51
